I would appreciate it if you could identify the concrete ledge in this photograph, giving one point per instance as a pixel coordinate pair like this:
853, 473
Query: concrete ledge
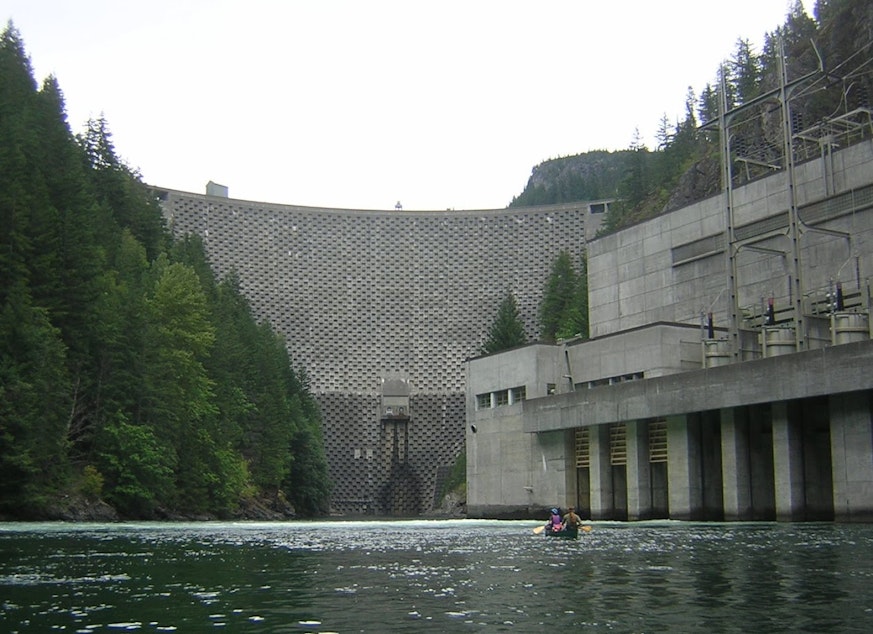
507, 512
825, 371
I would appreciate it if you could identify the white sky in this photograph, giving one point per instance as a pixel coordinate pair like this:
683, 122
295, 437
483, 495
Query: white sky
361, 104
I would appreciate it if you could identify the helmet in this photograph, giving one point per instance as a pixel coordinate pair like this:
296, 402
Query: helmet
555, 511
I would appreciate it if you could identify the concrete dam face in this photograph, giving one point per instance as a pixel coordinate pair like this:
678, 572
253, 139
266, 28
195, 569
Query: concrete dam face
381, 309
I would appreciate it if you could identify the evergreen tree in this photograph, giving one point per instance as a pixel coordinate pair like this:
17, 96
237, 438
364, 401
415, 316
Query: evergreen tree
121, 326
558, 296
745, 72
564, 308
119, 189
682, 151
664, 135
634, 186
307, 485
21, 186
33, 406
34, 380
707, 108
574, 319
178, 393
507, 331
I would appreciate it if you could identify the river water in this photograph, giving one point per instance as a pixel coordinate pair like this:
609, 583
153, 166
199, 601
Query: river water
438, 576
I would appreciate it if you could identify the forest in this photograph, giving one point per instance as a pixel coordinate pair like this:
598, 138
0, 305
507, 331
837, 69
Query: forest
133, 384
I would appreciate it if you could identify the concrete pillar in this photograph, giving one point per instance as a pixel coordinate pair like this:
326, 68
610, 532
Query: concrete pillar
761, 462
818, 487
710, 466
787, 464
570, 476
639, 476
683, 468
736, 472
852, 457
600, 473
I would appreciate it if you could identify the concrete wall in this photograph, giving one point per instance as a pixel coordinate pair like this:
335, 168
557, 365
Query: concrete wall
534, 366
532, 467
827, 371
533, 473
852, 456
672, 268
656, 350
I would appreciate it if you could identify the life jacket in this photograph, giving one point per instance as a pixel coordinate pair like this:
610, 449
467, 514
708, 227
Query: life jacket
555, 520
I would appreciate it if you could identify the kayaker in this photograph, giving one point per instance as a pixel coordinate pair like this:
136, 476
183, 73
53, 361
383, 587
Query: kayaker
555, 522
571, 520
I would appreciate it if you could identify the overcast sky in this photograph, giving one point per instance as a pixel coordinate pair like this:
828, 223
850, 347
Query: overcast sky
361, 104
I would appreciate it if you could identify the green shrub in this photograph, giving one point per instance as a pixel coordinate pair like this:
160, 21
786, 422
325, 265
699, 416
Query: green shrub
92, 482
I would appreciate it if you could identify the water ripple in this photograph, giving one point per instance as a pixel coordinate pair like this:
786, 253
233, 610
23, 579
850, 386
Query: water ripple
476, 575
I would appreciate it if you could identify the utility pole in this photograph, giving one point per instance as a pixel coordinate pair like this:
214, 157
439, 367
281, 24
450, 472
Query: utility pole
733, 245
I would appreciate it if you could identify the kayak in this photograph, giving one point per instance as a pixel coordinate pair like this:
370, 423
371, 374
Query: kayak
567, 533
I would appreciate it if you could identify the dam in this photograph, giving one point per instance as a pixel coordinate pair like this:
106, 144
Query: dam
380, 309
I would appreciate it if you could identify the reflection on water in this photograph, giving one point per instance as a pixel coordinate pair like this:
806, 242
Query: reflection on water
461, 575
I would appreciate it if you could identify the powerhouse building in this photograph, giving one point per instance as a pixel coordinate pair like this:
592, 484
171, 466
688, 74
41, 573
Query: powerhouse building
381, 309
729, 373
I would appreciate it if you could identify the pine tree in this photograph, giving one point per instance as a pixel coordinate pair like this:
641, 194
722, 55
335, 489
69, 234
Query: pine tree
34, 379
33, 406
574, 320
707, 106
664, 134
558, 296
745, 72
507, 331
20, 185
120, 189
636, 182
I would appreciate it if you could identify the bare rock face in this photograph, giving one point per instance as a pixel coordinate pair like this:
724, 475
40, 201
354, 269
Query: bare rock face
700, 181
454, 504
266, 510
80, 509
593, 167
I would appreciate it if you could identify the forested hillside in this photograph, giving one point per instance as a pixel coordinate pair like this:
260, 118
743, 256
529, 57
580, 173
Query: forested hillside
685, 165
132, 383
